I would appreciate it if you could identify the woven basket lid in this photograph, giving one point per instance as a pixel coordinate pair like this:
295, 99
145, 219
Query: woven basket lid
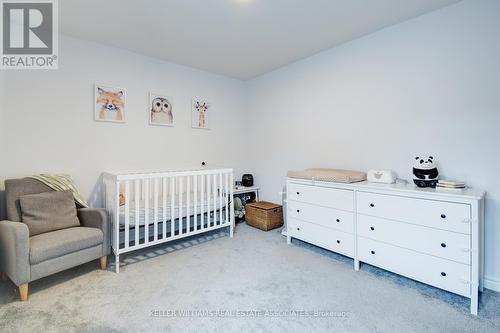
264, 205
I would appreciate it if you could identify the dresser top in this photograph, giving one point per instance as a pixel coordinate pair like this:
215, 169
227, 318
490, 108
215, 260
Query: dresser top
469, 193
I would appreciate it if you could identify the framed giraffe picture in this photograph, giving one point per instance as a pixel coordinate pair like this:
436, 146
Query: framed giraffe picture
201, 110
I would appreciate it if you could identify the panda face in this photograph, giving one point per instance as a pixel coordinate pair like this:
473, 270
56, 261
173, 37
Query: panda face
425, 163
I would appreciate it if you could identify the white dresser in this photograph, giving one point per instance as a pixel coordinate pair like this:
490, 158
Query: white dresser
430, 236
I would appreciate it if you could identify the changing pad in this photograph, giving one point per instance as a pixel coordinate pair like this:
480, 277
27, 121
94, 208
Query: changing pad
329, 175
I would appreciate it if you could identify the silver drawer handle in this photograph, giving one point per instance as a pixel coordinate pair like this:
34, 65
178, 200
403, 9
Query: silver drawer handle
464, 249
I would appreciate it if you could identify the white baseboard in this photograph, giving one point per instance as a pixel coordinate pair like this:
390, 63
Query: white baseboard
491, 283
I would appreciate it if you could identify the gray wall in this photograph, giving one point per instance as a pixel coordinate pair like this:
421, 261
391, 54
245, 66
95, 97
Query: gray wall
51, 127
426, 86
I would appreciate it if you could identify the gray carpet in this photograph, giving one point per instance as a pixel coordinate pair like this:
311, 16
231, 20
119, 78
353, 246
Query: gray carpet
271, 284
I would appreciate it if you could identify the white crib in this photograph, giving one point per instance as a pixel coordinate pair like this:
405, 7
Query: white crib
161, 206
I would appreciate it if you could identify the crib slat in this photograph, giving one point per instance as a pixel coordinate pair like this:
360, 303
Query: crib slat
117, 218
215, 198
188, 203
214, 189
127, 213
181, 184
195, 213
220, 198
231, 205
164, 206
226, 191
137, 197
155, 209
209, 199
172, 205
202, 201
146, 211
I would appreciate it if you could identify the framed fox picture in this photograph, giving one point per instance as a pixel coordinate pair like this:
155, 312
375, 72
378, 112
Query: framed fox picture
109, 103
201, 110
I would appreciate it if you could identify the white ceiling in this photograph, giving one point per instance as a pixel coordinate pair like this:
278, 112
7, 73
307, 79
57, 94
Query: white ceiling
236, 38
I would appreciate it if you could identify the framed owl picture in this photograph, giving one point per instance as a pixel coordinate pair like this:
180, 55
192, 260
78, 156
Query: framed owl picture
161, 110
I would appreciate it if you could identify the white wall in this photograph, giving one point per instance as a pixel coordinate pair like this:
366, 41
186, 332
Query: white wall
430, 85
50, 126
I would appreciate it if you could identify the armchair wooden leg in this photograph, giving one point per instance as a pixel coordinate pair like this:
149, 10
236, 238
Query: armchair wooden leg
23, 292
3, 276
104, 262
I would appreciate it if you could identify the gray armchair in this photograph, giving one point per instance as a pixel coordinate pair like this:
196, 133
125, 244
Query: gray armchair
25, 259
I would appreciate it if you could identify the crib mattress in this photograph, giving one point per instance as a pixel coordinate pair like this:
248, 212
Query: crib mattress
200, 207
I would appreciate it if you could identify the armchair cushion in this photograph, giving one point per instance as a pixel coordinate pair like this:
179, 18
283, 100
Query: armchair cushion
14, 189
61, 242
46, 212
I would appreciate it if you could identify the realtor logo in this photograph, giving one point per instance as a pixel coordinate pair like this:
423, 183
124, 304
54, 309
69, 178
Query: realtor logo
29, 34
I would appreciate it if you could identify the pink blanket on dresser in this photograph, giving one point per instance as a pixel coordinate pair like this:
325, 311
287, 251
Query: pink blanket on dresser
328, 175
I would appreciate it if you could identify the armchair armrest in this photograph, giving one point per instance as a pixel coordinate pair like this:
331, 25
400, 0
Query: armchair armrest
97, 218
14, 249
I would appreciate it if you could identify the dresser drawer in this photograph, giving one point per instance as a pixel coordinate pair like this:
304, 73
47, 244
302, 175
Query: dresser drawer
322, 196
329, 239
430, 213
327, 217
441, 273
439, 243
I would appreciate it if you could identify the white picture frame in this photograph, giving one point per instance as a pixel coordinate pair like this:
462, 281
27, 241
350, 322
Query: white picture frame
109, 103
161, 110
201, 110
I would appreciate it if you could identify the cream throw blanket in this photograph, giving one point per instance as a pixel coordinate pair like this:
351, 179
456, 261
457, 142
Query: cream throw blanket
61, 182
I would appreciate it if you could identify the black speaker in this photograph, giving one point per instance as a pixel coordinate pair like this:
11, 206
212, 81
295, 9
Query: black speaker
247, 180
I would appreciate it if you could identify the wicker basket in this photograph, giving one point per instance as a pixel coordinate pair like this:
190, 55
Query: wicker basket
264, 215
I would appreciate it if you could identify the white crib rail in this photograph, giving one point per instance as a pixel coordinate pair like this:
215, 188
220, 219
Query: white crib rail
200, 201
